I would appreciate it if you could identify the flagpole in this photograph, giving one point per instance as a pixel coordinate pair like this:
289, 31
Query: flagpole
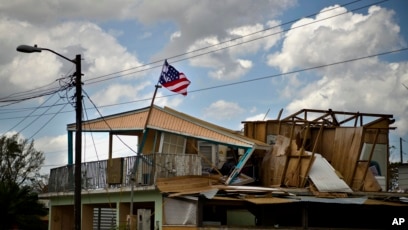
141, 145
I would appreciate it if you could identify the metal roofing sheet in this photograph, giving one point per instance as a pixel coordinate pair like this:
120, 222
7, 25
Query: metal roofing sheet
325, 178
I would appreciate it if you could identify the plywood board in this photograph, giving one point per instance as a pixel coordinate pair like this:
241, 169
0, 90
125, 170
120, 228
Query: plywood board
367, 183
274, 162
297, 170
346, 151
185, 183
277, 169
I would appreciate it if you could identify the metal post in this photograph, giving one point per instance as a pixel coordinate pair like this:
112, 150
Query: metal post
78, 143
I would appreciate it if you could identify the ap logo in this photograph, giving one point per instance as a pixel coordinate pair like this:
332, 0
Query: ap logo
398, 221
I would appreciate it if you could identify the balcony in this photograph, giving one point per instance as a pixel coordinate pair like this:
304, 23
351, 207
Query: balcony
117, 172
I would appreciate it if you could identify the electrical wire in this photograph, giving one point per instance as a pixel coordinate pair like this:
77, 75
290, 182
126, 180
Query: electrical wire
105, 77
38, 117
46, 123
92, 137
26, 117
103, 118
242, 82
95, 79
30, 95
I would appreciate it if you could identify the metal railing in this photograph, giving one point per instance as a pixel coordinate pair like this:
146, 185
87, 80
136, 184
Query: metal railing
103, 174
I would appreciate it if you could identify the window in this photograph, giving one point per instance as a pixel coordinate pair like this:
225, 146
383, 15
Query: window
172, 143
208, 155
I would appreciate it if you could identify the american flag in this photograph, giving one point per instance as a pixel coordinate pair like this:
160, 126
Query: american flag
173, 79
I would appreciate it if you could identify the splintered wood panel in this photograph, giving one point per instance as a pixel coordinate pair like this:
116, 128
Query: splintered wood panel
369, 136
281, 146
278, 164
274, 162
272, 127
346, 152
366, 183
249, 130
260, 133
286, 129
325, 144
297, 170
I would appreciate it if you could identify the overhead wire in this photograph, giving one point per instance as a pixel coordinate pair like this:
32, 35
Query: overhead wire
103, 118
241, 82
94, 80
49, 92
92, 137
218, 44
105, 77
27, 116
46, 123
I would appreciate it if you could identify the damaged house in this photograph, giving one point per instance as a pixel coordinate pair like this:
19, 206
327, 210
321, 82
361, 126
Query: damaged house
295, 172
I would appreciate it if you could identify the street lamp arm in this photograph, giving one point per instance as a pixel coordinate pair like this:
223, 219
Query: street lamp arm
32, 49
78, 133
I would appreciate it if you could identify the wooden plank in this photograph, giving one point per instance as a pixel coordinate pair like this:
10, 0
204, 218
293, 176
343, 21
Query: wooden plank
346, 151
367, 182
297, 170
274, 162
182, 183
278, 164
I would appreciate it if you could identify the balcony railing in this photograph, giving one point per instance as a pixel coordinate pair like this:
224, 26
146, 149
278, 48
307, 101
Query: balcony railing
117, 173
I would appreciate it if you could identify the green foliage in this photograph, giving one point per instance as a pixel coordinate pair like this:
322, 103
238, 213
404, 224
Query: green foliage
20, 208
19, 161
19, 167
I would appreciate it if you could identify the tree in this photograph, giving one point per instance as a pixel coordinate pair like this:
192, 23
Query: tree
20, 162
20, 208
19, 167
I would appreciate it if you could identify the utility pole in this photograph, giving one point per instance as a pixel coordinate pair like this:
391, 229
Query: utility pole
78, 133
78, 143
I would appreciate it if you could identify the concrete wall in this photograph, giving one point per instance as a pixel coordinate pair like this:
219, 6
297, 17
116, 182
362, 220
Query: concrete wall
62, 207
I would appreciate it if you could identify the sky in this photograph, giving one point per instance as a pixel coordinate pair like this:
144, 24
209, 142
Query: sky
245, 61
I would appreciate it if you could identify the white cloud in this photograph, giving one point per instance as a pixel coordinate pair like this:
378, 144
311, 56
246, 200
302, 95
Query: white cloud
227, 64
100, 53
222, 110
370, 85
175, 35
337, 39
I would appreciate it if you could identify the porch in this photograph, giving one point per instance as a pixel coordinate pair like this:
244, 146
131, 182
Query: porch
117, 172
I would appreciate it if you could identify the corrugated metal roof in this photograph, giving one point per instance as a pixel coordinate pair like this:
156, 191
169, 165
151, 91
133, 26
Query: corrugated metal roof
325, 178
169, 120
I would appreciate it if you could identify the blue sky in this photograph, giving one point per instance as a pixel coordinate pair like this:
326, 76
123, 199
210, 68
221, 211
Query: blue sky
236, 56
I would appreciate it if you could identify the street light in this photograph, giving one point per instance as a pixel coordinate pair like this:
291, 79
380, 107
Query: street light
78, 132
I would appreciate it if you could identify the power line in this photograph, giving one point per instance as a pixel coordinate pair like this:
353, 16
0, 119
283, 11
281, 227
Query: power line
30, 95
103, 118
94, 80
46, 123
105, 77
246, 81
